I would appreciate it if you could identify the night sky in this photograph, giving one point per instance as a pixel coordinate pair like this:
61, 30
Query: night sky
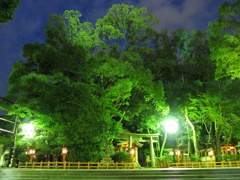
32, 15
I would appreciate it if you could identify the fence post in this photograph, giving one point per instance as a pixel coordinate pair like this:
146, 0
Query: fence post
88, 165
56, 165
78, 164
26, 164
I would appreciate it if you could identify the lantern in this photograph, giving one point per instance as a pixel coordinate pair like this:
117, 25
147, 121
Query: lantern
31, 152
64, 153
178, 154
132, 153
211, 154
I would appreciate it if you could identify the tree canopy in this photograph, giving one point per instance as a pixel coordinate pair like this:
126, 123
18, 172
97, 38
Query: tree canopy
224, 40
88, 82
7, 9
73, 92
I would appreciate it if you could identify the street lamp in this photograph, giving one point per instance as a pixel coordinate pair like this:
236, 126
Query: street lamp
28, 130
64, 153
171, 126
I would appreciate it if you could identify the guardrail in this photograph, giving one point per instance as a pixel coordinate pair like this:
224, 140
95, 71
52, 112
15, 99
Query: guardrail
76, 165
200, 164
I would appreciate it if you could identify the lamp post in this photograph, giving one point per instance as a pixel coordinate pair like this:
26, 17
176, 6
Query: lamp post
64, 153
170, 126
31, 152
178, 154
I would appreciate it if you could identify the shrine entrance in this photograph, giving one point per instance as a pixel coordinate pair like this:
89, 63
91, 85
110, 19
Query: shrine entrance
130, 142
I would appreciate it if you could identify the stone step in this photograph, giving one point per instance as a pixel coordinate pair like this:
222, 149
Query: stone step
148, 174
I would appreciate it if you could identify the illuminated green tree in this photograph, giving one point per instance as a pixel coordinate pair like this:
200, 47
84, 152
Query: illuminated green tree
80, 94
218, 112
224, 40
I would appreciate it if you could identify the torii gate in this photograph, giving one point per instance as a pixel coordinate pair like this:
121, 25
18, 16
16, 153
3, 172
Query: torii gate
130, 136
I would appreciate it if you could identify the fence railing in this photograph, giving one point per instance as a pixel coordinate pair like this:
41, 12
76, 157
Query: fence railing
75, 165
200, 164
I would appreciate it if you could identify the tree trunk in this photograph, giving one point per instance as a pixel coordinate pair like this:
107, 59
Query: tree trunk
218, 149
194, 132
189, 142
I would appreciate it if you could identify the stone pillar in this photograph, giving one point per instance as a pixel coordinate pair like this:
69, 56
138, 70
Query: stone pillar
152, 153
136, 154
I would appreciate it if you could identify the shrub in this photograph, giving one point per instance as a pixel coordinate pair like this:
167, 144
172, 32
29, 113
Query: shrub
122, 157
23, 157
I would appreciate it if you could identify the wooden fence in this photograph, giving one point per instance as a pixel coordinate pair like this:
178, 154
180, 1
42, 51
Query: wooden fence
200, 164
75, 165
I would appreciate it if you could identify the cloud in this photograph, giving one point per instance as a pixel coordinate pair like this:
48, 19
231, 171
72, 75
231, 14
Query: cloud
175, 15
188, 14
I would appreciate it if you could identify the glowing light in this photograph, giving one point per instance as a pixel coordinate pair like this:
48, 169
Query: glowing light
64, 150
178, 153
210, 153
28, 130
170, 125
132, 151
31, 151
